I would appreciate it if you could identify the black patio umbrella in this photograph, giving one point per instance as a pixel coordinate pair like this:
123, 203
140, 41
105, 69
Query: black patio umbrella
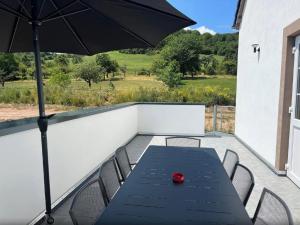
81, 27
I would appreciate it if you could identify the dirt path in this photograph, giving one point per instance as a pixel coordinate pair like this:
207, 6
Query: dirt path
14, 112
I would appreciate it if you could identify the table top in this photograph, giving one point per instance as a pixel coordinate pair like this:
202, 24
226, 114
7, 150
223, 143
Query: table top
149, 197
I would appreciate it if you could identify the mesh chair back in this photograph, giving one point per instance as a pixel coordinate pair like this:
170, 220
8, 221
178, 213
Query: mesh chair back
243, 181
230, 160
183, 142
109, 177
272, 210
88, 204
123, 162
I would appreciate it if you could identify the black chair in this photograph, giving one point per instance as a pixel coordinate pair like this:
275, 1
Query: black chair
230, 160
123, 163
183, 142
88, 204
243, 181
272, 210
109, 177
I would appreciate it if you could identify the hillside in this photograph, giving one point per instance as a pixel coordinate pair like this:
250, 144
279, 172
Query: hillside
133, 62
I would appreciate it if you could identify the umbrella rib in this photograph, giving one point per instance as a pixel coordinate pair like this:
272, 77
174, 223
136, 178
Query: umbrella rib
158, 10
64, 15
12, 11
132, 33
16, 23
58, 10
24, 8
41, 8
76, 35
12, 37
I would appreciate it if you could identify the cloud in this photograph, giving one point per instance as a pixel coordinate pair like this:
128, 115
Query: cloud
188, 28
202, 30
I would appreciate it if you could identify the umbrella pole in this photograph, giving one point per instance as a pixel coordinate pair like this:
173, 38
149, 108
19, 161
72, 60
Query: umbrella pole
43, 119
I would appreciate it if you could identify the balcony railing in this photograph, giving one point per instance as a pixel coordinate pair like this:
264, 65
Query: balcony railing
78, 143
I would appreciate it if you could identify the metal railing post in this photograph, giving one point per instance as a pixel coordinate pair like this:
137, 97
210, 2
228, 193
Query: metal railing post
221, 121
215, 118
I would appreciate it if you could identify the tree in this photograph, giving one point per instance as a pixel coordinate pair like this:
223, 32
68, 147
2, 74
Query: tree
229, 66
25, 72
113, 67
123, 69
170, 74
8, 67
208, 64
62, 61
108, 65
76, 59
219, 44
5, 77
26, 58
89, 72
185, 50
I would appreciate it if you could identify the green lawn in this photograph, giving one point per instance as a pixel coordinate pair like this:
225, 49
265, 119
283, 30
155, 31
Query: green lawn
213, 81
134, 62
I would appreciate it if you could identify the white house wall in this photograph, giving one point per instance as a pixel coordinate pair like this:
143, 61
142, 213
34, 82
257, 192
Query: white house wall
258, 81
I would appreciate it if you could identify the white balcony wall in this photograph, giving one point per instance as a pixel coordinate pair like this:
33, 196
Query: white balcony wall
163, 119
21, 172
76, 148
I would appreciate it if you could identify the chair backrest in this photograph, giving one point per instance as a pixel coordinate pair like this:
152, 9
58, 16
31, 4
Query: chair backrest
243, 181
88, 204
183, 142
272, 210
230, 160
109, 177
123, 163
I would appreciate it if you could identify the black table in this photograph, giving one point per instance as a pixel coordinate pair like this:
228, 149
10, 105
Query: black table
149, 197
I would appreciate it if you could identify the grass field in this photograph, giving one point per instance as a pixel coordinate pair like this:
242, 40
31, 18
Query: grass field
134, 82
207, 90
133, 62
211, 81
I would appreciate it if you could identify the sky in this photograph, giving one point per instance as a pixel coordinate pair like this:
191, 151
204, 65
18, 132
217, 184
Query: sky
212, 16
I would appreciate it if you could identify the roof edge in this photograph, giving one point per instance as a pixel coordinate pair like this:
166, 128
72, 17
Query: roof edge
239, 14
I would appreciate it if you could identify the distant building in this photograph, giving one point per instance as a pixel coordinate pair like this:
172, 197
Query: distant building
268, 83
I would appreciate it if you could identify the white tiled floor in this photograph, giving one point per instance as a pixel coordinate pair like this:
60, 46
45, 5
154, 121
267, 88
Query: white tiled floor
264, 177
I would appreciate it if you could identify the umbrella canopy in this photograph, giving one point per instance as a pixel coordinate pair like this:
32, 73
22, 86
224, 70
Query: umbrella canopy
87, 26
81, 27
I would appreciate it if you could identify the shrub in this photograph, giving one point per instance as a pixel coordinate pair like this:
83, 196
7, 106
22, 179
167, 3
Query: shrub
170, 75
144, 71
60, 79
